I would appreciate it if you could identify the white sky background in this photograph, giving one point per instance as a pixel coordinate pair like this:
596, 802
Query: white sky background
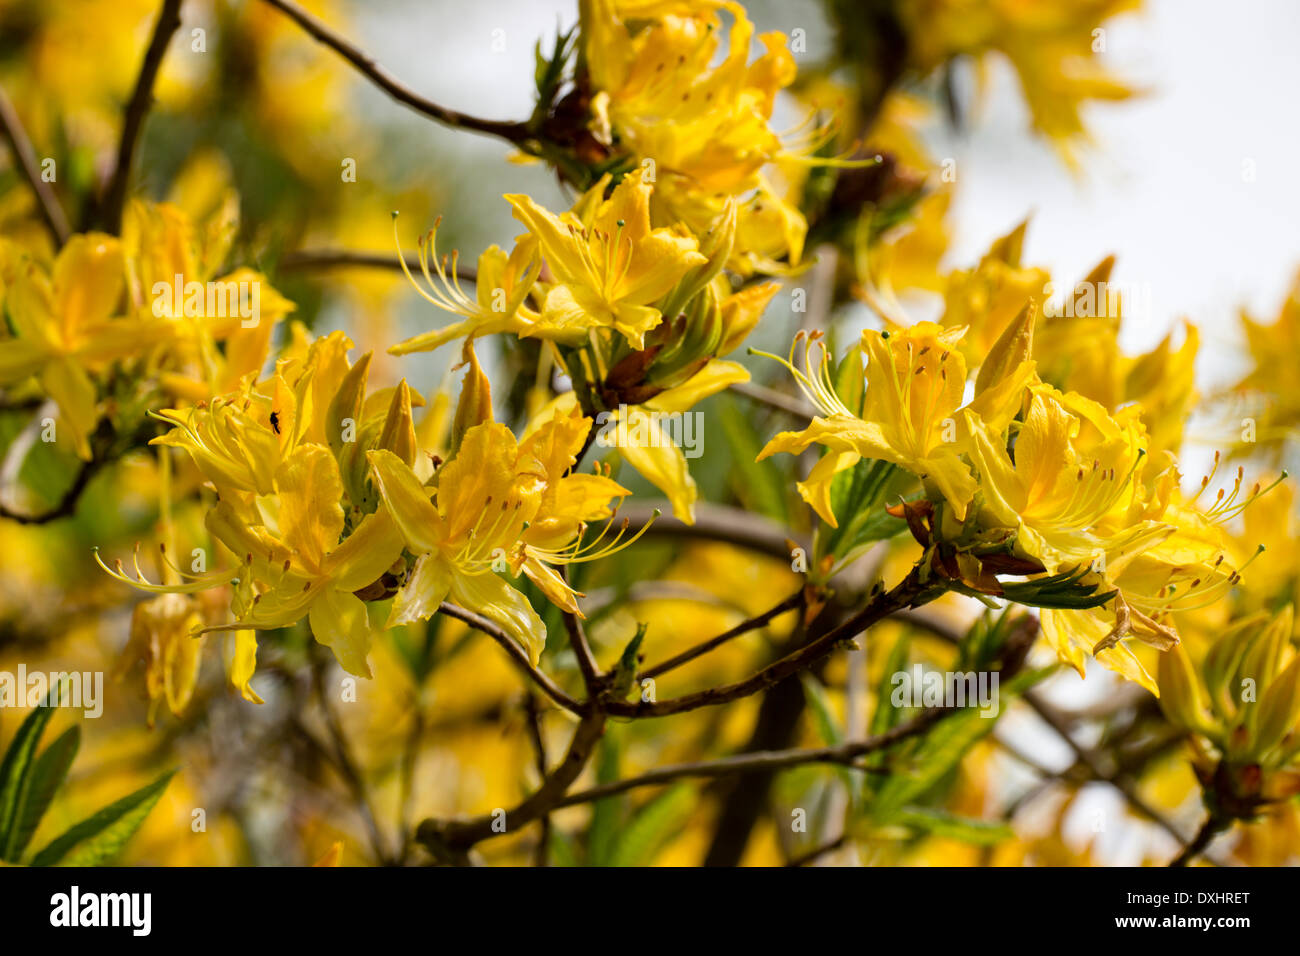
1163, 190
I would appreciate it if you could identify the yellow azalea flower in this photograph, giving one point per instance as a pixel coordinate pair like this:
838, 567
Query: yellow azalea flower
915, 381
641, 431
501, 286
502, 506
1049, 44
986, 299
299, 567
608, 264
1073, 466
172, 263
1270, 385
700, 118
240, 440
1162, 558
164, 638
66, 329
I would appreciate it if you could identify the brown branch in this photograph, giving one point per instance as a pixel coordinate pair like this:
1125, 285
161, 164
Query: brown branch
66, 506
795, 600
516, 653
591, 675
1090, 759
511, 131
303, 260
770, 760
1210, 829
25, 159
451, 841
774, 399
137, 108
717, 523
908, 593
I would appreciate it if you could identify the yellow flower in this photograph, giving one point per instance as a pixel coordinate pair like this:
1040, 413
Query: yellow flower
502, 506
302, 568
1160, 558
1050, 45
1073, 466
609, 265
1244, 701
701, 119
172, 262
66, 329
915, 382
501, 287
164, 637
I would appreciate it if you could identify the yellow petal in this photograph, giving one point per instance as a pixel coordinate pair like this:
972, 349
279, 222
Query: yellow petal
816, 488
370, 550
71, 388
243, 665
713, 378
659, 461
492, 596
311, 517
339, 621
408, 502
425, 589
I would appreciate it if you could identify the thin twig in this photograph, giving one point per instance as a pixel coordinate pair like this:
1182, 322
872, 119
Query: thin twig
908, 593
817, 852
774, 399
25, 159
541, 853
137, 108
1210, 829
511, 131
744, 627
66, 506
1089, 758
304, 260
348, 768
591, 675
769, 760
516, 653
716, 523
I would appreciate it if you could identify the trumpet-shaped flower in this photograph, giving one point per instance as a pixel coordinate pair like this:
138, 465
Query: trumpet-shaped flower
915, 381
66, 329
608, 264
500, 507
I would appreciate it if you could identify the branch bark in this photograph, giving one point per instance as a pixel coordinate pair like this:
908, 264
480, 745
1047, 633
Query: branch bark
25, 159
137, 108
511, 131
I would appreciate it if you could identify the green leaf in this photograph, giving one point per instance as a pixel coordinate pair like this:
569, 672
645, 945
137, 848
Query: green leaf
941, 823
886, 715
623, 676
823, 713
48, 772
1067, 590
15, 770
943, 748
651, 829
758, 486
607, 813
858, 503
99, 838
